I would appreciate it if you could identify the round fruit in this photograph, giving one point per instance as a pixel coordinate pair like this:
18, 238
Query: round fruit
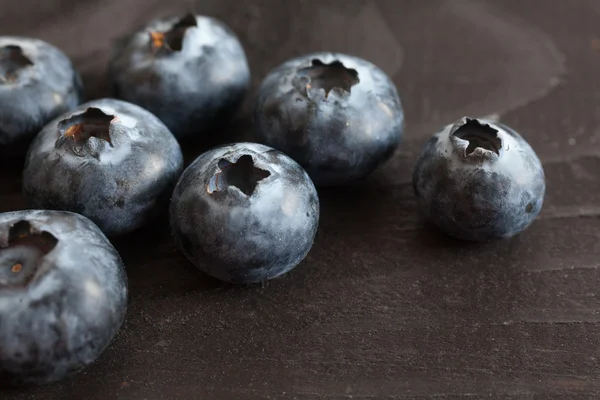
478, 180
338, 116
244, 213
63, 295
37, 83
190, 72
109, 160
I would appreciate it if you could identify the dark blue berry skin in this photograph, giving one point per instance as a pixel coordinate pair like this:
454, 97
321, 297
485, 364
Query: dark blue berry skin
37, 83
339, 121
194, 82
244, 213
478, 180
109, 160
63, 295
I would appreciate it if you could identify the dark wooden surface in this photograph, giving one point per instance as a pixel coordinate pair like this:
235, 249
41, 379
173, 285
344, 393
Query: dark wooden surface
383, 307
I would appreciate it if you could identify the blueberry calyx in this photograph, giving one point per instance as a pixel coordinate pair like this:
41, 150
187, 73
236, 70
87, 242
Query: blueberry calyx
172, 40
328, 76
12, 60
242, 174
79, 128
21, 254
475, 138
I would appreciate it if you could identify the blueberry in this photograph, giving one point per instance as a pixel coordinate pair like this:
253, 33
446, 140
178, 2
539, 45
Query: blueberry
37, 83
478, 180
339, 116
109, 160
244, 213
63, 295
191, 72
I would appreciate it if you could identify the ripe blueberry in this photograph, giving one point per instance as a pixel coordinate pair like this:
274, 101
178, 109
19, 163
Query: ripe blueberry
477, 180
192, 73
109, 160
37, 83
63, 295
244, 213
337, 115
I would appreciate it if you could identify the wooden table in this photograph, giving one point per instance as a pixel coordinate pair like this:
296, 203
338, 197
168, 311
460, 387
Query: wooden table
383, 306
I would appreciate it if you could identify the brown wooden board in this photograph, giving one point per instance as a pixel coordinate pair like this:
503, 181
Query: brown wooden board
383, 307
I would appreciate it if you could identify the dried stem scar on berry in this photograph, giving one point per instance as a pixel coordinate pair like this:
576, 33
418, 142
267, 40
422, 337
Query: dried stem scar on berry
478, 135
241, 174
172, 40
80, 127
12, 60
22, 256
329, 76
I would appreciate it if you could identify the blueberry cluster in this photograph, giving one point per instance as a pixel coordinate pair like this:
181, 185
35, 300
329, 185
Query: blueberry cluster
242, 212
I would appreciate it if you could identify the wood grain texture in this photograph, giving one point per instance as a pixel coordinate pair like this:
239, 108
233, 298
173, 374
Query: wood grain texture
383, 307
